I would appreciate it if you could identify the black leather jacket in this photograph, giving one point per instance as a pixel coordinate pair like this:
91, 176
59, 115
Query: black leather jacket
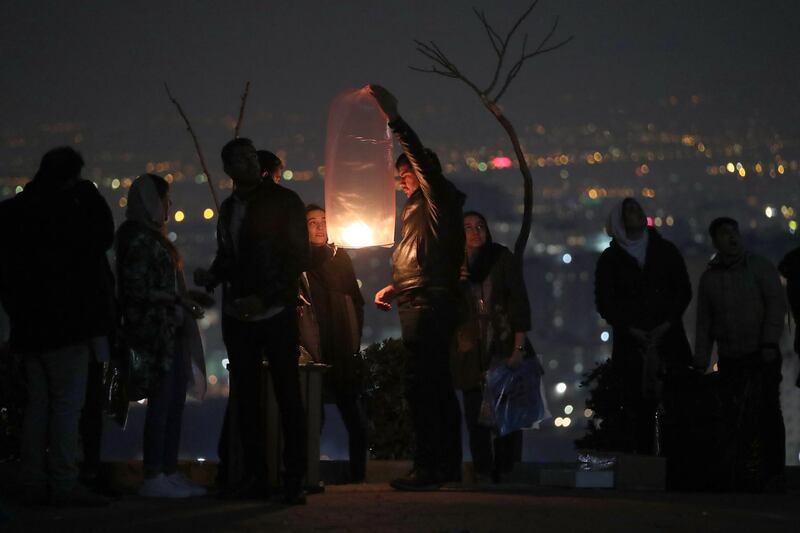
431, 248
272, 250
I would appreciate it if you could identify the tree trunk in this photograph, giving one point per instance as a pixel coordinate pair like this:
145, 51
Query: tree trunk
527, 180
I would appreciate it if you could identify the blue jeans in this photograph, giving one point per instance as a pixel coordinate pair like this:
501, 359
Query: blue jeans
162, 423
56, 392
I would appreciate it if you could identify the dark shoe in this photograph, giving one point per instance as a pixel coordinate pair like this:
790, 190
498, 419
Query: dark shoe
452, 475
34, 495
78, 496
102, 486
419, 479
293, 493
252, 490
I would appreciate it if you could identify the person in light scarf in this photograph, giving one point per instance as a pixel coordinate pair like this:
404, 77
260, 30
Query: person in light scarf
642, 290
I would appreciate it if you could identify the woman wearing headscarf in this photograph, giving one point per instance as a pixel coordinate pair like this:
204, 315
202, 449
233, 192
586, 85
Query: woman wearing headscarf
495, 327
642, 289
159, 326
330, 331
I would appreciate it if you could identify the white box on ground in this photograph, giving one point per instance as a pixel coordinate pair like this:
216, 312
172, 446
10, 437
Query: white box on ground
603, 479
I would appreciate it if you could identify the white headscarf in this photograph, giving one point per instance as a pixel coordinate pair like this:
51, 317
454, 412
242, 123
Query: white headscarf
144, 204
615, 228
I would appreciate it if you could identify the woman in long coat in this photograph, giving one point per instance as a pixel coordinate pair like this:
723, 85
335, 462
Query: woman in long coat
158, 324
496, 325
642, 289
331, 333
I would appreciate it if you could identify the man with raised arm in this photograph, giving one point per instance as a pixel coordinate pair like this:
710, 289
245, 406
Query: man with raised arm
426, 264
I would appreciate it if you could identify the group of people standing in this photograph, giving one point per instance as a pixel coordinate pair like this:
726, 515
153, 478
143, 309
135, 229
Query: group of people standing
461, 298
642, 290
285, 290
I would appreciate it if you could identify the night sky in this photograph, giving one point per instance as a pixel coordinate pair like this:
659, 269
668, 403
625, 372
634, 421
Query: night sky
102, 64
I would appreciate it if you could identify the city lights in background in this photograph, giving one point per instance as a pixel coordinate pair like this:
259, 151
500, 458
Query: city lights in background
502, 162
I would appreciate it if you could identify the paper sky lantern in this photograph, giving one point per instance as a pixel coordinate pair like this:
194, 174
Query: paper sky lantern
359, 173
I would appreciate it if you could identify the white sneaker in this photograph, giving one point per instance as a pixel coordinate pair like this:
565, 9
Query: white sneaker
179, 480
161, 487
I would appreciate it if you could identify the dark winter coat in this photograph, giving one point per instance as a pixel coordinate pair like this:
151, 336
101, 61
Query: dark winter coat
272, 250
431, 248
58, 288
628, 296
490, 334
338, 310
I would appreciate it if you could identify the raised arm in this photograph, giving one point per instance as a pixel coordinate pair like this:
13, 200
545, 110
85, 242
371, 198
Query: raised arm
426, 168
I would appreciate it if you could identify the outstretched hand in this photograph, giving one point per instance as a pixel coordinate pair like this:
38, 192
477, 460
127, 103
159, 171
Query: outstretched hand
384, 297
386, 101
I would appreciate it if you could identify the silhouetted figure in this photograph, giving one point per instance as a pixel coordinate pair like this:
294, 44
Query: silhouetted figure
60, 305
426, 264
741, 309
158, 322
262, 248
642, 289
789, 267
498, 318
271, 165
332, 334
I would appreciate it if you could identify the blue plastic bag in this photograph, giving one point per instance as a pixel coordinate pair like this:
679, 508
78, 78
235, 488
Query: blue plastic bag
512, 398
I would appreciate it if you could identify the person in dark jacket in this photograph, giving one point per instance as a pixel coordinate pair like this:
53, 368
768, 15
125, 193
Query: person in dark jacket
262, 249
337, 313
498, 318
642, 289
741, 309
425, 271
60, 306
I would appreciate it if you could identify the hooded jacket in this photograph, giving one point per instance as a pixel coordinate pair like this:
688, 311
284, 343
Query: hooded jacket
740, 306
431, 248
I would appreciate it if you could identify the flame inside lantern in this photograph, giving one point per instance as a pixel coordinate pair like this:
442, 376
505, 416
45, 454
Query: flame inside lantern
357, 235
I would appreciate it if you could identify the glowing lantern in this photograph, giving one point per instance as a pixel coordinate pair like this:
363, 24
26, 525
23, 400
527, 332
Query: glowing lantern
359, 173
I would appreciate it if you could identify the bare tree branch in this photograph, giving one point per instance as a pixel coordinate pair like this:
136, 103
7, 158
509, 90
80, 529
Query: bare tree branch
196, 146
494, 37
442, 66
241, 110
504, 46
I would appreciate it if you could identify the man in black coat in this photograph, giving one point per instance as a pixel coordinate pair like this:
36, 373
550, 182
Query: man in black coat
262, 248
57, 290
426, 265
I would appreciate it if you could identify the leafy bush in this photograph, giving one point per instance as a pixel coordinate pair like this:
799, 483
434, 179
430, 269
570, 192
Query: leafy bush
389, 430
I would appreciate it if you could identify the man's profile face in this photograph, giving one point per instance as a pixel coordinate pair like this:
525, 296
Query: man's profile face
728, 240
242, 166
409, 182
317, 227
